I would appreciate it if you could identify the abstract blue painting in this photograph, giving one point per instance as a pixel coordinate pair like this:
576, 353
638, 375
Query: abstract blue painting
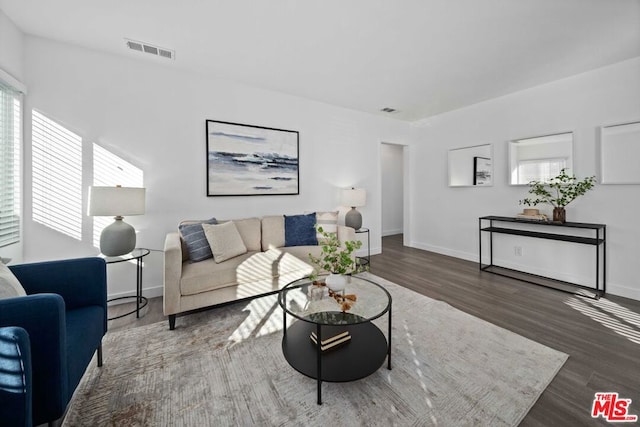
245, 160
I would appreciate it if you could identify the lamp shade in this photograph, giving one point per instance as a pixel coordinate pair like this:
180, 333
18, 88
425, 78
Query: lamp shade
116, 201
354, 197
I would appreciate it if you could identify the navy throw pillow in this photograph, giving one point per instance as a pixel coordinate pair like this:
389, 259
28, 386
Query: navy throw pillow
197, 243
299, 230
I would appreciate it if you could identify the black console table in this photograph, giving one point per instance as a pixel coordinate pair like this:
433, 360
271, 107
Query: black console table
506, 225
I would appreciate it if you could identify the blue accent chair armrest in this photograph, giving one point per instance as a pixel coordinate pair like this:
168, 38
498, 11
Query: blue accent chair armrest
65, 316
15, 377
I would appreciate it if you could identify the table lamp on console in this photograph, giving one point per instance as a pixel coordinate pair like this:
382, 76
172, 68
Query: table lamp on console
119, 238
354, 197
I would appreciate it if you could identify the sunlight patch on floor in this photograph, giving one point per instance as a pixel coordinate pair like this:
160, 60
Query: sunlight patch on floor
619, 319
265, 317
417, 363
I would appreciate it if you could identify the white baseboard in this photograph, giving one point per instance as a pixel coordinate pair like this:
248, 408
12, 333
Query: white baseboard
445, 251
150, 292
391, 232
612, 288
623, 291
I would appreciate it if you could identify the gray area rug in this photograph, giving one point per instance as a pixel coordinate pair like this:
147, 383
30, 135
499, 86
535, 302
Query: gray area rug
225, 367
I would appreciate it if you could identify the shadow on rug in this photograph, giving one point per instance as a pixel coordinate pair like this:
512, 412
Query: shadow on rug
225, 367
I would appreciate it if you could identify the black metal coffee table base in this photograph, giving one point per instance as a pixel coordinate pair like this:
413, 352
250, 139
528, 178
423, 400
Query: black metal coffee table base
360, 357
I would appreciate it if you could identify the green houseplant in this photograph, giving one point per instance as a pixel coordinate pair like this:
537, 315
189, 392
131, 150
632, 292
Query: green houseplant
558, 192
336, 258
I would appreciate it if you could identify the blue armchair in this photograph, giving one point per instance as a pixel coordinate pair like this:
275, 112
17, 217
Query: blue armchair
64, 316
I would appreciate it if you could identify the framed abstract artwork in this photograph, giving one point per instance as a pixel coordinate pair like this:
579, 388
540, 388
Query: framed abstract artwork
246, 160
482, 168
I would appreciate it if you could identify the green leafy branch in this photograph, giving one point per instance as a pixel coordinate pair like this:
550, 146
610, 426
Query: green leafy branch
336, 257
559, 191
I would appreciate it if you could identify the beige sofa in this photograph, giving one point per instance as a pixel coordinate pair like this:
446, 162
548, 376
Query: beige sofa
265, 268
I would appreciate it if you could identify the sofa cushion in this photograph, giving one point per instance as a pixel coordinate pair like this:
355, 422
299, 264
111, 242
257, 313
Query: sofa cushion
208, 276
272, 232
195, 240
9, 284
246, 269
225, 241
250, 231
302, 252
299, 230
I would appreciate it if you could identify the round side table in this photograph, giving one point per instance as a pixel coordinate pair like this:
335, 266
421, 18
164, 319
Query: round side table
135, 255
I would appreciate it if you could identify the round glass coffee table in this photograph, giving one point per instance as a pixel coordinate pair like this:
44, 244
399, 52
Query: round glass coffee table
352, 346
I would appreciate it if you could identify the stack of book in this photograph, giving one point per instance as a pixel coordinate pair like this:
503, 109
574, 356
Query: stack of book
331, 342
538, 217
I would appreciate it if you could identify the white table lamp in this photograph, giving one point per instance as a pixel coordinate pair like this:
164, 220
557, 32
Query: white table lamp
354, 197
118, 238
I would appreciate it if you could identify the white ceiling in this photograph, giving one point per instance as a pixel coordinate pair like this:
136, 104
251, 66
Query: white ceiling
422, 57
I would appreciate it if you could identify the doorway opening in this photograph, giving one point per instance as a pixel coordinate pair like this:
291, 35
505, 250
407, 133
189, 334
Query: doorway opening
394, 189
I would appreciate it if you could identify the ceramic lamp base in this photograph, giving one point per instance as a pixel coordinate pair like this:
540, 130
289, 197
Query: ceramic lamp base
353, 219
117, 239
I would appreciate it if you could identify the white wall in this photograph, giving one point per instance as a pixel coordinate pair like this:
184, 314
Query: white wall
154, 117
11, 47
391, 157
11, 63
446, 219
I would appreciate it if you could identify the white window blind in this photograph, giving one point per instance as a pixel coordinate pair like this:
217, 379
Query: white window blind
110, 170
10, 130
539, 169
57, 176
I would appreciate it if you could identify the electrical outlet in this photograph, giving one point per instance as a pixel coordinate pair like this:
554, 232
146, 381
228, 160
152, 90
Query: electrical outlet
517, 250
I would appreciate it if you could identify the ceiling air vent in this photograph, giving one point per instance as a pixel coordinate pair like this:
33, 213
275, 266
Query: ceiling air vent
389, 110
149, 48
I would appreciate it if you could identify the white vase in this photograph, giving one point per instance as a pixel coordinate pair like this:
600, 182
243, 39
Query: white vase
336, 282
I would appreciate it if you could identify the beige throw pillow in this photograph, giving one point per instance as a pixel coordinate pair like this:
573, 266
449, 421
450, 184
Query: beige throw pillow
9, 284
249, 230
225, 241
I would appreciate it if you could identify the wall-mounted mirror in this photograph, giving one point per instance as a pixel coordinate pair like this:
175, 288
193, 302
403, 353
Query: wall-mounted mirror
620, 153
540, 158
471, 166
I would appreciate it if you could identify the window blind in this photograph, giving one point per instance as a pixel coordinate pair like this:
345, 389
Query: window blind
57, 176
10, 137
539, 169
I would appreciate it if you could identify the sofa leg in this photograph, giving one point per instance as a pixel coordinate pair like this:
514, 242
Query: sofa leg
172, 322
100, 354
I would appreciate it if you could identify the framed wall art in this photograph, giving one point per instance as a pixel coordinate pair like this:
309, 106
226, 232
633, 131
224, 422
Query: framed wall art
482, 168
619, 153
246, 160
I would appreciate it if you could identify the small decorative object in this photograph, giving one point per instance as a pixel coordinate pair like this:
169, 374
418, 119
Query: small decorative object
119, 238
532, 215
354, 197
245, 160
558, 192
336, 258
337, 282
345, 301
317, 292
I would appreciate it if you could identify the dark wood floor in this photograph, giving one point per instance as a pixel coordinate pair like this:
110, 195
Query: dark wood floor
601, 337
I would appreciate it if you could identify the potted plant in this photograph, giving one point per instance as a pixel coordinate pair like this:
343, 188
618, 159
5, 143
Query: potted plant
558, 192
337, 259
